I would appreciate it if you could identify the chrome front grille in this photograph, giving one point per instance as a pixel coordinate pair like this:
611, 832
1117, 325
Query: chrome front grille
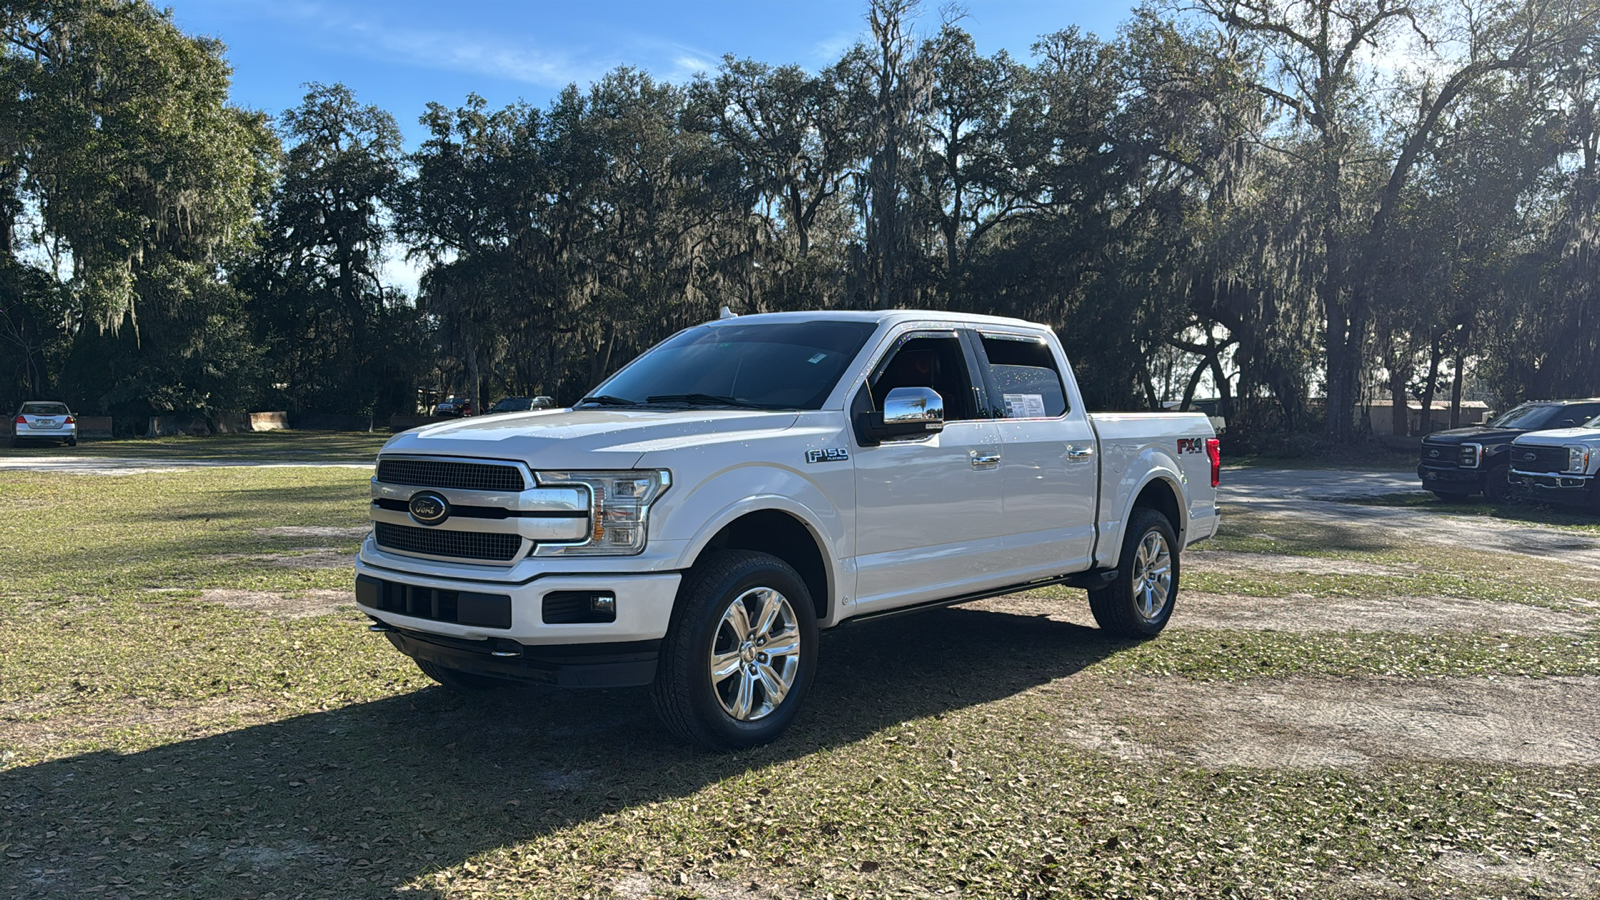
476, 545
495, 513
462, 476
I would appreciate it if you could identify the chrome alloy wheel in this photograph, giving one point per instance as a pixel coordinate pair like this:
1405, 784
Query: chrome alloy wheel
1152, 576
755, 654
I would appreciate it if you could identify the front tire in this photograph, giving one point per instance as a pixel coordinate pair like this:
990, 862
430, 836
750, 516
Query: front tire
739, 656
1138, 604
1497, 487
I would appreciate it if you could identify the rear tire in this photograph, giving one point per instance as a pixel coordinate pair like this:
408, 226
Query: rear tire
740, 653
457, 680
1138, 604
72, 442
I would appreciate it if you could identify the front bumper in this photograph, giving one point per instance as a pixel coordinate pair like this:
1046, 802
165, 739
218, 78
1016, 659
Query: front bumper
499, 628
1452, 478
630, 664
1552, 488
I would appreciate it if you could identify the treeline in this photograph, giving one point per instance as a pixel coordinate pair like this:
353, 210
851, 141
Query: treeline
1296, 206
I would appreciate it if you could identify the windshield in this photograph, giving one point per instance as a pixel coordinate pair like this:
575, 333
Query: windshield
1545, 416
1531, 416
775, 365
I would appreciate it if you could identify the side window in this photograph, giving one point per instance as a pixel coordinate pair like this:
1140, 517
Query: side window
1584, 412
930, 362
1026, 378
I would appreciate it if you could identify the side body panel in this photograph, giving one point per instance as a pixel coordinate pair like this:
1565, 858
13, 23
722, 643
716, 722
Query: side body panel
1138, 449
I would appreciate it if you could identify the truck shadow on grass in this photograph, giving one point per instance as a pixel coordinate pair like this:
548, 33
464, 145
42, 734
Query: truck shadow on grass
360, 800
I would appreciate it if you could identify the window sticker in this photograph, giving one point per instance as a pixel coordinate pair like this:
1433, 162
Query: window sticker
818, 358
1025, 406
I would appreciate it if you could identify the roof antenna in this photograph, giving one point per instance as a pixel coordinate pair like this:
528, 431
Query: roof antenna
727, 314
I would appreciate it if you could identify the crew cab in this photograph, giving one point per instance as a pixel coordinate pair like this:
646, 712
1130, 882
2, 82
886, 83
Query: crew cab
1559, 466
696, 521
1475, 459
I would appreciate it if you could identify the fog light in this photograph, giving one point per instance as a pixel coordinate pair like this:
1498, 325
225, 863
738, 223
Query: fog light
603, 605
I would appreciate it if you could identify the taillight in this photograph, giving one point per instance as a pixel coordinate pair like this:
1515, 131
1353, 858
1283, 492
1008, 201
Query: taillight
69, 420
19, 421
1214, 450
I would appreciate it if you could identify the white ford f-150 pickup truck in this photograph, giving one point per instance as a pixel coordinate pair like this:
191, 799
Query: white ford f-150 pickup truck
696, 521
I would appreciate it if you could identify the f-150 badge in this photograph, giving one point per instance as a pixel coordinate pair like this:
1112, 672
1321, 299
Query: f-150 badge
829, 454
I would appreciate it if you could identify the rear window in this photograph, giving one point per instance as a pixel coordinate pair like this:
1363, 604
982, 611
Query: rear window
1025, 372
45, 409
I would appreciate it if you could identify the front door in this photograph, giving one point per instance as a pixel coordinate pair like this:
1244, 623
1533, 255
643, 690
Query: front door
928, 510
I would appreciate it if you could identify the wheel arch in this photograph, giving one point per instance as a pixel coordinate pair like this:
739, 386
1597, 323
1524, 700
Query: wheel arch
1163, 496
1159, 492
786, 536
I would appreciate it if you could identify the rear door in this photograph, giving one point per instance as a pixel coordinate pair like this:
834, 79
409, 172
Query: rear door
928, 510
1049, 469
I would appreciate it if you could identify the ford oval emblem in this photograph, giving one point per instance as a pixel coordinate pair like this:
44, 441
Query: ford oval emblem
428, 508
1434, 454
1530, 457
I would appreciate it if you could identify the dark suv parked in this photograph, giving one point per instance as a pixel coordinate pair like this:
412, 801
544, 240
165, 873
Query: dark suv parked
1465, 461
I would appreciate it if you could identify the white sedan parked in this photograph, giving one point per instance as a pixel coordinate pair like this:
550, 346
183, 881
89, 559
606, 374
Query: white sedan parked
40, 420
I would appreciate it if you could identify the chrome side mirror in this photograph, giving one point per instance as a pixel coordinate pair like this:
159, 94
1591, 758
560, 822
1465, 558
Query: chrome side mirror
907, 412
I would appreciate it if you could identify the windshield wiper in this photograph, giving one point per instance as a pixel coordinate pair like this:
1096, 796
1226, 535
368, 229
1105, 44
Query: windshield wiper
608, 400
709, 400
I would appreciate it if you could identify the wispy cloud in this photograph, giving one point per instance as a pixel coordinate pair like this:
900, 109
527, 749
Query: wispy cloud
826, 52
477, 54
499, 56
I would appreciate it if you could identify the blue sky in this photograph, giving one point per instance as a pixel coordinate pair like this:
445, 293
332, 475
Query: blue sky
400, 54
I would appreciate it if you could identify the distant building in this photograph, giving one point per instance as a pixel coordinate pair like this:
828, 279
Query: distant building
1473, 412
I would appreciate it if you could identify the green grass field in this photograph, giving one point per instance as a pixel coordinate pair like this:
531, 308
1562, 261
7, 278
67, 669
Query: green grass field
190, 706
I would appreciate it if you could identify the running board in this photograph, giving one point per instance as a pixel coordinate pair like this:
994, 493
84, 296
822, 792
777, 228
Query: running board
1089, 580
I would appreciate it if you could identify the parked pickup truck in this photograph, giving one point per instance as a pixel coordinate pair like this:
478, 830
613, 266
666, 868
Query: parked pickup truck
1465, 461
697, 520
1559, 466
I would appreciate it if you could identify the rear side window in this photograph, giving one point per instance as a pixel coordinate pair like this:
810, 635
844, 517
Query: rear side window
44, 409
1027, 380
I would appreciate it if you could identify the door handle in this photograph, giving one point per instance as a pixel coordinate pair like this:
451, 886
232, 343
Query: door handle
1079, 452
985, 459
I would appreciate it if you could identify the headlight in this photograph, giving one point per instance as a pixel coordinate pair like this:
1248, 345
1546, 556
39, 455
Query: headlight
1471, 456
619, 507
1577, 460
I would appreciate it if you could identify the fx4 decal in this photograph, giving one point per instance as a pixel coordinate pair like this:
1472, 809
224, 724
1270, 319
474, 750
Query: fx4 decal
830, 454
1191, 445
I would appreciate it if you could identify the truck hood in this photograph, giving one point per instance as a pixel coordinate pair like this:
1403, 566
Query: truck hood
1473, 434
586, 438
1557, 437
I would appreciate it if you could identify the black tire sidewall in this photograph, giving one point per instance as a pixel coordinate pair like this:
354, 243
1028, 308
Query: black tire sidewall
710, 587
1114, 607
1496, 489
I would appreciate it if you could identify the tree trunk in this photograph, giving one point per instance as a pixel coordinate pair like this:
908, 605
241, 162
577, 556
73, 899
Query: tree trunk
1456, 386
1399, 420
1430, 386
